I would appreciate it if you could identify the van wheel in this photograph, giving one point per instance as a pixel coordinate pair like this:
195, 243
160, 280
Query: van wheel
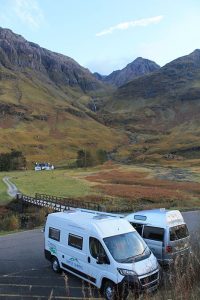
55, 265
111, 292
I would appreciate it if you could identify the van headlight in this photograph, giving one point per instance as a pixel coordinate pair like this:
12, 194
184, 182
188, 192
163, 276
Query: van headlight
125, 272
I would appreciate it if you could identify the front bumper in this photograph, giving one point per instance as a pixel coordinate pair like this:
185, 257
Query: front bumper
147, 283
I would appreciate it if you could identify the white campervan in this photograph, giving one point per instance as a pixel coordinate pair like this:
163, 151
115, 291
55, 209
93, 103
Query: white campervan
101, 249
165, 232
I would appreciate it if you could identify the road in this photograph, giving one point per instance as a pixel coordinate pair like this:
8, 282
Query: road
25, 274
192, 218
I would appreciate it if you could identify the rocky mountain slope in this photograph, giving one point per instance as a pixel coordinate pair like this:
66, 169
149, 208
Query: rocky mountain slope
137, 68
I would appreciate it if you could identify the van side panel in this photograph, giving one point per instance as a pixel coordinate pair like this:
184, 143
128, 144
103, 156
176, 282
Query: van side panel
73, 257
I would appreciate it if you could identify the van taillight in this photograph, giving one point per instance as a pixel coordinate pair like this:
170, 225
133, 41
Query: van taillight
168, 249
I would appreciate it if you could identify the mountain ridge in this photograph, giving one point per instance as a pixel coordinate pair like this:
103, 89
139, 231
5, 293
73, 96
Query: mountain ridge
16, 53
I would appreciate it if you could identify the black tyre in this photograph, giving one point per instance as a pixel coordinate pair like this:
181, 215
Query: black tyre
55, 265
111, 291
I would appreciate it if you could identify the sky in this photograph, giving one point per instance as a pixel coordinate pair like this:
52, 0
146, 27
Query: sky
106, 35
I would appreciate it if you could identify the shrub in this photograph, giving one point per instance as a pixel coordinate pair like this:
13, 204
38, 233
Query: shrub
40, 217
10, 223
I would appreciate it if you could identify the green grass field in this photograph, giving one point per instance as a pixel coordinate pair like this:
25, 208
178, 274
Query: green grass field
58, 183
114, 185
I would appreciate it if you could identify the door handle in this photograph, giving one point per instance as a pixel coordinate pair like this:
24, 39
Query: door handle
88, 259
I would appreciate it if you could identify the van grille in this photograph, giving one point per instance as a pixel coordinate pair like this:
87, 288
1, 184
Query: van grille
149, 279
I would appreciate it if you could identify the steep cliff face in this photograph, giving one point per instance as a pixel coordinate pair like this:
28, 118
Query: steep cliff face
18, 54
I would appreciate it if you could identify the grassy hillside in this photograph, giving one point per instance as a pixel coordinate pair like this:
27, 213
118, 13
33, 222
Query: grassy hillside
46, 123
47, 104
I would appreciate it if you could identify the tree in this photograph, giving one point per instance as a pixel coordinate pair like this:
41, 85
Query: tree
15, 160
4, 162
84, 159
101, 156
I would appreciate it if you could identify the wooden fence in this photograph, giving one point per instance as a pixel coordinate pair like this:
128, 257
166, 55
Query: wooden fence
58, 203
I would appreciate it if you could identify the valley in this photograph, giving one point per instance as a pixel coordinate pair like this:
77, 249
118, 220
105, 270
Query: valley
52, 110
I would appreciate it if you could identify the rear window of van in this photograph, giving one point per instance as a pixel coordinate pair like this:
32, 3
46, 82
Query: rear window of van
178, 232
54, 234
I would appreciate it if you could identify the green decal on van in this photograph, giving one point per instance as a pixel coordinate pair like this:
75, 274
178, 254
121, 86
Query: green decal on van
74, 262
74, 259
52, 248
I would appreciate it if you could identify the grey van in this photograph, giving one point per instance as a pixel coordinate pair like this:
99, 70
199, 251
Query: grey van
165, 232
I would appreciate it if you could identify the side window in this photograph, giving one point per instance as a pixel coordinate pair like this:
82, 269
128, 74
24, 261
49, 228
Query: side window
75, 241
96, 248
153, 233
138, 227
54, 234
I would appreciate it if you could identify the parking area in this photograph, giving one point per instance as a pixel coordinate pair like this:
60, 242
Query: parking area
25, 274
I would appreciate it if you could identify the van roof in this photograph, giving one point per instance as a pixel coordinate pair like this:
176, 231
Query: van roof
157, 217
84, 221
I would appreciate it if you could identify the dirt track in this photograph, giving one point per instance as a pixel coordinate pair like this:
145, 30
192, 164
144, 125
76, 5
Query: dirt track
12, 189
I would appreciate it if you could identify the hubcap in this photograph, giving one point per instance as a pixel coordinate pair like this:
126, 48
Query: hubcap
55, 265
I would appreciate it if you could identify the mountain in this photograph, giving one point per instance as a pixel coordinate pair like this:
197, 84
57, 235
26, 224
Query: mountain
44, 103
137, 68
161, 110
171, 81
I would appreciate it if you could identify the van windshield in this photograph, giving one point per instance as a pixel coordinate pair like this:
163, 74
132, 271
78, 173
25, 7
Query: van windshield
178, 232
127, 247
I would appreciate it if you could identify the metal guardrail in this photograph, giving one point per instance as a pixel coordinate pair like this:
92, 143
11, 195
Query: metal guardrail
58, 203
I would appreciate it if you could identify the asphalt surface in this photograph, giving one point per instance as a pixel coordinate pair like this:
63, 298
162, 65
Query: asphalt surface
25, 274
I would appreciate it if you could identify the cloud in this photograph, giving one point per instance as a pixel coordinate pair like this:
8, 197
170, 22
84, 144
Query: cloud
29, 12
134, 23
